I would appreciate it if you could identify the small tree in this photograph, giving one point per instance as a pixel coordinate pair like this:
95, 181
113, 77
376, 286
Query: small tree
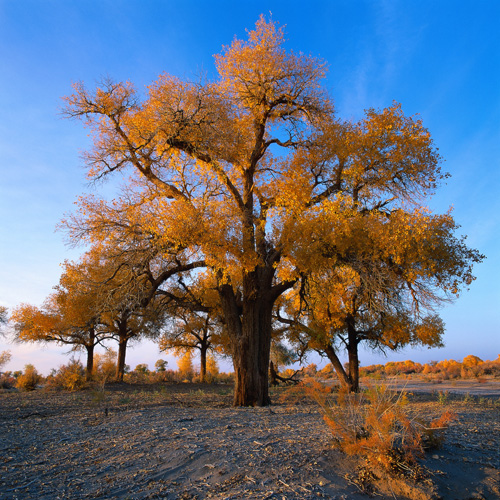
185, 365
30, 378
5, 357
3, 318
105, 366
161, 365
190, 331
212, 368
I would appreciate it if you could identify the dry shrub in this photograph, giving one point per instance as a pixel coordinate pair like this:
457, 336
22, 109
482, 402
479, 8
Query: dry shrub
376, 425
433, 432
70, 377
7, 381
105, 367
29, 379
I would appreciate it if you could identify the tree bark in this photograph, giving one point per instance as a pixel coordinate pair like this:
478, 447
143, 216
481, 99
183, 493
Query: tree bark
122, 350
352, 351
203, 364
90, 361
250, 326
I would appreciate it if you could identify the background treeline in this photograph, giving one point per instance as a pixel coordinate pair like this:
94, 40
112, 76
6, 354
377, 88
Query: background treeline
72, 376
471, 366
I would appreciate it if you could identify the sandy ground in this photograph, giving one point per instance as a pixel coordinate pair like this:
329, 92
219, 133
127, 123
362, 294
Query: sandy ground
187, 442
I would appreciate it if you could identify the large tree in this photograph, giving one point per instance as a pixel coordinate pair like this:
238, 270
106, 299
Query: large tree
227, 173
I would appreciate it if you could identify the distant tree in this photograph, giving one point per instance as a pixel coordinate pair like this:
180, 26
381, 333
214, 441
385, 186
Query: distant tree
161, 365
185, 365
3, 318
212, 366
5, 357
190, 331
471, 360
69, 316
142, 368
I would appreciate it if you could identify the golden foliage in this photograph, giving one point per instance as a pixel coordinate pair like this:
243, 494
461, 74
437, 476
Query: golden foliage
185, 365
29, 379
254, 178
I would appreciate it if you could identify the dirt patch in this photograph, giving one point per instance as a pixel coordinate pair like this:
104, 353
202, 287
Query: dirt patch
187, 442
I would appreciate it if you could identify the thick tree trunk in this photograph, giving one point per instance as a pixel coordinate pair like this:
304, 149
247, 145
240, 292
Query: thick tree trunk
353, 367
90, 362
203, 364
250, 326
122, 350
352, 351
251, 355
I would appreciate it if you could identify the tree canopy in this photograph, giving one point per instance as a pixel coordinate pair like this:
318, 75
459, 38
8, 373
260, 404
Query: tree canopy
253, 179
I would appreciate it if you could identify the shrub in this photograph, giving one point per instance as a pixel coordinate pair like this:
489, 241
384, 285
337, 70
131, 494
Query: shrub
29, 379
70, 377
376, 425
105, 366
7, 381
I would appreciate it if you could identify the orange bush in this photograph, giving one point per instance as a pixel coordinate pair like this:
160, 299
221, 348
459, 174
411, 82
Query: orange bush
376, 425
29, 379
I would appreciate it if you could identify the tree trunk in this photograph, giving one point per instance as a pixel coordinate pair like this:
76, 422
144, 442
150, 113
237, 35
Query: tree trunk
90, 361
273, 374
250, 326
353, 368
352, 351
122, 350
337, 366
203, 364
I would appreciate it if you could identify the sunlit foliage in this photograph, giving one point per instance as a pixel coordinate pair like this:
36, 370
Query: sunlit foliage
253, 178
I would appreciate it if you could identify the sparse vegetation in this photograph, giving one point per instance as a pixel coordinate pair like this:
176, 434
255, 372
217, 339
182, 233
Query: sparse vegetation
29, 380
70, 377
378, 426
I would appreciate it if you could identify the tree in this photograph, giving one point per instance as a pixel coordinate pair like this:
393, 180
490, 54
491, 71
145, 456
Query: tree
161, 365
5, 357
61, 319
123, 298
193, 320
69, 316
242, 176
3, 318
97, 299
383, 297
185, 365
191, 330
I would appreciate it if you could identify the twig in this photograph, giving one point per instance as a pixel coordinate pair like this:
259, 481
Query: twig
21, 487
288, 486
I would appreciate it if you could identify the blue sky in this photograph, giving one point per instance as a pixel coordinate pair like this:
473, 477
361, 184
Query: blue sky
440, 59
